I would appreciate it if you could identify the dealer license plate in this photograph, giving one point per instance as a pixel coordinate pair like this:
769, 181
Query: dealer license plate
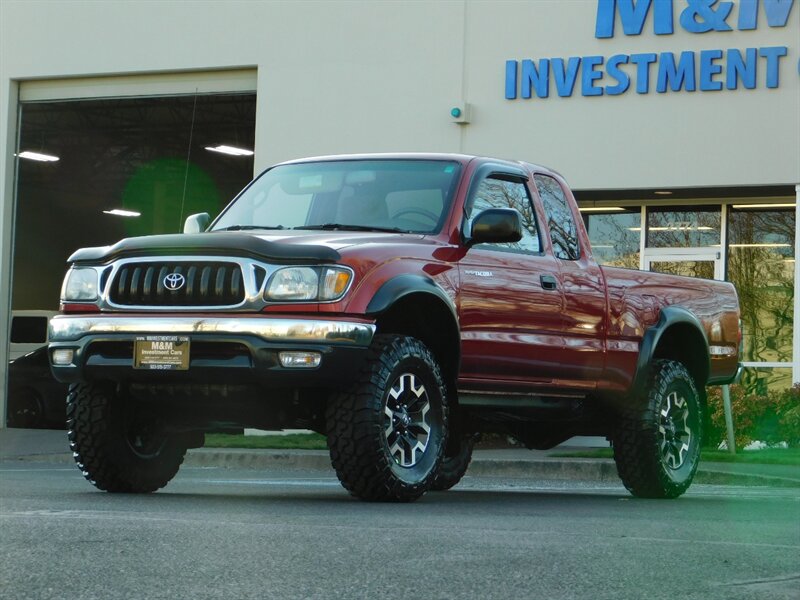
161, 353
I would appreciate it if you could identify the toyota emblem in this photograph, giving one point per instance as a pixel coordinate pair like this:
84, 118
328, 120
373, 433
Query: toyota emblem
174, 281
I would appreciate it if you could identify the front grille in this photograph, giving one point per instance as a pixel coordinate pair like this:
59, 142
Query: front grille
206, 283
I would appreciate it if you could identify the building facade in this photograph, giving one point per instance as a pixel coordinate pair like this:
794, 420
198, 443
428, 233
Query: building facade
677, 122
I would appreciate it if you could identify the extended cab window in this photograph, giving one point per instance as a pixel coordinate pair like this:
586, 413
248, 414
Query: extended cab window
500, 193
560, 222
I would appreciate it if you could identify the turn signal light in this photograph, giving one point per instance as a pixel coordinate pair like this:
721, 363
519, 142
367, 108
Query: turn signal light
300, 360
63, 356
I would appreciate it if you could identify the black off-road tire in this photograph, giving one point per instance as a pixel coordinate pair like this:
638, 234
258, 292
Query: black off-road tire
455, 464
658, 439
118, 446
357, 423
25, 410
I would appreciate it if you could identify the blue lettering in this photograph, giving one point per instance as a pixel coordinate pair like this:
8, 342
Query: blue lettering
633, 14
565, 77
741, 68
536, 78
708, 68
589, 76
777, 13
643, 62
680, 76
613, 71
701, 16
773, 55
511, 79
748, 14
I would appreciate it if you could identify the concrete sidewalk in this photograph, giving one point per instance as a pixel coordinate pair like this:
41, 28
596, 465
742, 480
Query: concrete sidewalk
52, 446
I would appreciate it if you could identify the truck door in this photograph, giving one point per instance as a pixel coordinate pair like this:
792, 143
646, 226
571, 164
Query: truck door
583, 286
510, 304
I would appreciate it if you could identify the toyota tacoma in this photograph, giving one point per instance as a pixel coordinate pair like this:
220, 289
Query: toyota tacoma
400, 305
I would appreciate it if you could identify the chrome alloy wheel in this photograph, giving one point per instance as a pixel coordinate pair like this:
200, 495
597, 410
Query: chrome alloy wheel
406, 427
675, 434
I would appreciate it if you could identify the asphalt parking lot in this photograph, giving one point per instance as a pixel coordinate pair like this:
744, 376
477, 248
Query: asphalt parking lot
283, 533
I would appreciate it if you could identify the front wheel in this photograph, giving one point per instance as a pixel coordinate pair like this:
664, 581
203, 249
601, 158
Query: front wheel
657, 442
387, 434
456, 461
120, 445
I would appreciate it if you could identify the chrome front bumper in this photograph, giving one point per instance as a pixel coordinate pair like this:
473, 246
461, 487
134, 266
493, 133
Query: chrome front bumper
67, 328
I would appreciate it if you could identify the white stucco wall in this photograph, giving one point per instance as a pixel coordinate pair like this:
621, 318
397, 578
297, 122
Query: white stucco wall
370, 76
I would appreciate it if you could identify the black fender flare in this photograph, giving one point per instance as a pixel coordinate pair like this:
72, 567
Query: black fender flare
401, 286
668, 317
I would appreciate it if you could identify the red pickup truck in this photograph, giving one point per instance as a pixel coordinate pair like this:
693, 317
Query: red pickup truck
400, 305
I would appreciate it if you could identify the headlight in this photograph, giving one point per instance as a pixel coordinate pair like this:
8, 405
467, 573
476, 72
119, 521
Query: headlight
79, 284
308, 283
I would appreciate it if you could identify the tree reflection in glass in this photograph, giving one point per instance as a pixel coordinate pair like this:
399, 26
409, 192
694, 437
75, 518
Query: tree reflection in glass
615, 237
761, 266
690, 227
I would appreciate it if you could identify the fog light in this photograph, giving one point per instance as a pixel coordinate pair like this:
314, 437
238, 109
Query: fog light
63, 357
300, 360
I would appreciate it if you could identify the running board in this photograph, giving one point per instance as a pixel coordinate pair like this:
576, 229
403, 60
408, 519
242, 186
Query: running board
552, 402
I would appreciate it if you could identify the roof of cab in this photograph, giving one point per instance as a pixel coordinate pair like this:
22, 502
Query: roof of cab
462, 158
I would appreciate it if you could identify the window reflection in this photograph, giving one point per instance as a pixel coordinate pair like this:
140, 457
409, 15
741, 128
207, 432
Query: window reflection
615, 237
703, 269
563, 233
689, 227
761, 266
499, 193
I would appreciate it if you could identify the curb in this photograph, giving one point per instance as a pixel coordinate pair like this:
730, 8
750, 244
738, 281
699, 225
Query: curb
556, 469
313, 460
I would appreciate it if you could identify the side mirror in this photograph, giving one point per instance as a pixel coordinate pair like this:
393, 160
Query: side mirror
196, 223
496, 226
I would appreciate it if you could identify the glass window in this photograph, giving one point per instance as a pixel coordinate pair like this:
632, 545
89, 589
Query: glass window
28, 330
127, 167
761, 266
704, 269
684, 227
409, 195
500, 193
409, 204
563, 232
615, 237
760, 380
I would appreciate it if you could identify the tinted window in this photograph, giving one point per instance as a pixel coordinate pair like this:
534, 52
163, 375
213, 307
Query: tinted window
29, 330
563, 232
499, 193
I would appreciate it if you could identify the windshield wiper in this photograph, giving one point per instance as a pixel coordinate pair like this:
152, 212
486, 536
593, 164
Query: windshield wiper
344, 227
248, 227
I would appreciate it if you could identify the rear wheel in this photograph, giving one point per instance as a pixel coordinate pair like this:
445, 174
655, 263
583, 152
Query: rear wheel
120, 445
387, 435
657, 443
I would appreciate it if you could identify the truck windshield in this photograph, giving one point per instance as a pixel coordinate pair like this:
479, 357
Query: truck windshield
374, 195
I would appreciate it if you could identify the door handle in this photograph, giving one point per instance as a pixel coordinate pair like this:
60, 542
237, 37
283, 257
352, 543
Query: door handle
548, 282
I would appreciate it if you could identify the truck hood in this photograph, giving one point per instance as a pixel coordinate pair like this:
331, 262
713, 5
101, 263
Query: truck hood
292, 247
